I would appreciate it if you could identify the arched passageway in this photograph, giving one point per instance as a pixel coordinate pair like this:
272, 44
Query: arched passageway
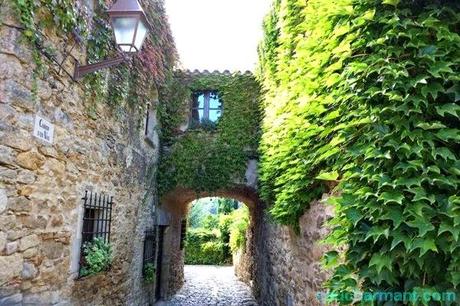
174, 209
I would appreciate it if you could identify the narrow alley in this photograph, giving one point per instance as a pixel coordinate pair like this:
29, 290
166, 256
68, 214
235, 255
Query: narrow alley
211, 285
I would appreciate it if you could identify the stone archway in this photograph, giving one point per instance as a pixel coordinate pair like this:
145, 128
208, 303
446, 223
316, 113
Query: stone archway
175, 205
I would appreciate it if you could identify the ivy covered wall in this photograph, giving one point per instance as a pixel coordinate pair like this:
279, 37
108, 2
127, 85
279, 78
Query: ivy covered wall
208, 158
85, 26
365, 93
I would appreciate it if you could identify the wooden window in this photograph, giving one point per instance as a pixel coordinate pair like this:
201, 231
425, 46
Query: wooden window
206, 106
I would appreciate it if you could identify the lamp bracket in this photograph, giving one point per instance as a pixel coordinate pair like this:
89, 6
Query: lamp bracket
81, 71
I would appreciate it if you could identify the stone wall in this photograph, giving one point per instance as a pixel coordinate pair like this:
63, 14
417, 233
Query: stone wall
288, 268
42, 185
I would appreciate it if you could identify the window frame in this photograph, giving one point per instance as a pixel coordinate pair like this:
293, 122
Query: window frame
97, 220
206, 106
150, 248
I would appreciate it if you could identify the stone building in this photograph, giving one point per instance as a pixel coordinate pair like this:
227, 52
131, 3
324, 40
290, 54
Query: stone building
101, 150
80, 159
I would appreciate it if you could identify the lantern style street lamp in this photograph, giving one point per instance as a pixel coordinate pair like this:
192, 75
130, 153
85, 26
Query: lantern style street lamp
130, 27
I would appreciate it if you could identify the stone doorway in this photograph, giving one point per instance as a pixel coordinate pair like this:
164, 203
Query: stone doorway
177, 205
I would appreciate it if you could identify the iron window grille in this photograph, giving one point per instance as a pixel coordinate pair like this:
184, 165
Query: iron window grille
206, 107
183, 233
97, 219
149, 249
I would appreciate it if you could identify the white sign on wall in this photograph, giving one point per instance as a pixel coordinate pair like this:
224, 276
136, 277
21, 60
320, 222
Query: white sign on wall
43, 129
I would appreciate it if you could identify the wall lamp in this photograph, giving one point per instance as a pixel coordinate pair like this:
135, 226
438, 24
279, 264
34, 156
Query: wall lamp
130, 27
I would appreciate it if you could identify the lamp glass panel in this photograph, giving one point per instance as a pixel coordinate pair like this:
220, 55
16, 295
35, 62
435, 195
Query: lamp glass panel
124, 28
140, 35
126, 48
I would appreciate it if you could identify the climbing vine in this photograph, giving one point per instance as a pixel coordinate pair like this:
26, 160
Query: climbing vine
208, 159
366, 93
71, 20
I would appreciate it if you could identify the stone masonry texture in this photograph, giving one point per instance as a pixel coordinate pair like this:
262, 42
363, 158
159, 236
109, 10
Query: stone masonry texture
42, 185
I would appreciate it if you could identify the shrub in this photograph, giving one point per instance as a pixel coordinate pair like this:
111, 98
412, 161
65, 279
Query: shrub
149, 273
204, 247
98, 257
238, 228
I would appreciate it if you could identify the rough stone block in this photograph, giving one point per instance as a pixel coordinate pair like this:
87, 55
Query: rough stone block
7, 222
20, 204
11, 248
29, 271
11, 300
15, 94
28, 242
17, 141
29, 253
10, 67
26, 177
48, 151
30, 160
2, 241
3, 200
11, 44
10, 267
52, 249
7, 156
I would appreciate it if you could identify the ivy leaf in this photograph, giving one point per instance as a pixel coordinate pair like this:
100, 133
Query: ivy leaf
420, 194
399, 237
432, 89
424, 244
445, 227
455, 89
328, 176
376, 232
392, 196
354, 215
391, 2
449, 134
455, 278
395, 215
445, 153
380, 261
431, 126
423, 225
450, 108
438, 67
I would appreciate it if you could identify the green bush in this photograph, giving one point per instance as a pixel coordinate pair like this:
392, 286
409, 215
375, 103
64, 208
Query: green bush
366, 93
219, 236
238, 227
204, 247
98, 257
149, 273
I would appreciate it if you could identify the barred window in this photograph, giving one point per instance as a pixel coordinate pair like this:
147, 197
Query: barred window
149, 248
97, 219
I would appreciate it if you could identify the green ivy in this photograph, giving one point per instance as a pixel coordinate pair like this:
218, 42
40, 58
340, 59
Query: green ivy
208, 159
149, 273
70, 19
98, 257
367, 93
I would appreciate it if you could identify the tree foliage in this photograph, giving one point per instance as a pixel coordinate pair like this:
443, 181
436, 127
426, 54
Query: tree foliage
366, 92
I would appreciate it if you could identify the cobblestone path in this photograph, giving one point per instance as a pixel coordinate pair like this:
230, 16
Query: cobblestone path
211, 285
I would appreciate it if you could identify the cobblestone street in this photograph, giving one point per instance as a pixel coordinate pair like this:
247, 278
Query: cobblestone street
211, 285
